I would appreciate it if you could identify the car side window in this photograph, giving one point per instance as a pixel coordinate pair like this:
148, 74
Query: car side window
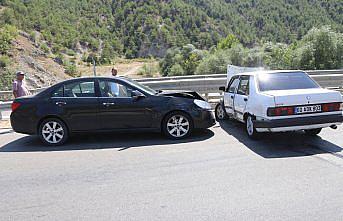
58, 92
114, 89
79, 89
233, 84
243, 87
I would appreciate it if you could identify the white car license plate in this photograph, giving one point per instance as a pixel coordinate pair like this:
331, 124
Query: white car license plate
308, 109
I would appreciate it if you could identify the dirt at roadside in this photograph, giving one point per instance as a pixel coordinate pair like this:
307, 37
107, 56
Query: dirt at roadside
127, 68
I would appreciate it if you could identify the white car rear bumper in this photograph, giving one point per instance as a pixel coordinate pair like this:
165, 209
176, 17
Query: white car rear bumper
296, 128
298, 123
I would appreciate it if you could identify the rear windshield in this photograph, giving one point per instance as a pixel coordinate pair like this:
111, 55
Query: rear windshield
285, 81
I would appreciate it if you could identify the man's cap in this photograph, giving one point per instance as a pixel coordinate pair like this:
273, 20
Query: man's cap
20, 73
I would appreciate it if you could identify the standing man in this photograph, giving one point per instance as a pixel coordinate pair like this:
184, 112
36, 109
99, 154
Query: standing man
19, 88
114, 72
113, 85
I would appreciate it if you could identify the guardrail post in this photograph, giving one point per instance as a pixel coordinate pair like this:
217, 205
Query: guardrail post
206, 96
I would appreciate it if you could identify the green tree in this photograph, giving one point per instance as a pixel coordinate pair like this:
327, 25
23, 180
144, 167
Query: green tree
71, 70
321, 49
6, 79
4, 61
228, 42
215, 63
45, 48
7, 34
176, 70
147, 28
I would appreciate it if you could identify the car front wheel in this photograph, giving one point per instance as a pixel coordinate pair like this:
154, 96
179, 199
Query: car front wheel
53, 132
250, 128
177, 125
220, 112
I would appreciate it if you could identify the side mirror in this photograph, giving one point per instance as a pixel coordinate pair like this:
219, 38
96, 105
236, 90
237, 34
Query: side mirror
137, 95
222, 88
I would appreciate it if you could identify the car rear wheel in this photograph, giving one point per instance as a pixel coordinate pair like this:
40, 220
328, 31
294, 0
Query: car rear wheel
53, 132
220, 112
313, 132
250, 128
177, 125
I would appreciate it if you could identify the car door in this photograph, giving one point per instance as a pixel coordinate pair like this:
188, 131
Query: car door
118, 109
229, 95
76, 103
241, 97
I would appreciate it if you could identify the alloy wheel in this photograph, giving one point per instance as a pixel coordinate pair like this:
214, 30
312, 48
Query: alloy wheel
250, 126
178, 126
220, 112
53, 132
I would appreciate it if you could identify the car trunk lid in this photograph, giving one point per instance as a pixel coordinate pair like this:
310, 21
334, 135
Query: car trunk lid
304, 96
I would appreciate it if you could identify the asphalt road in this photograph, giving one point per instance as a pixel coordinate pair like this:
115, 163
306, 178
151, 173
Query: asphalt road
218, 174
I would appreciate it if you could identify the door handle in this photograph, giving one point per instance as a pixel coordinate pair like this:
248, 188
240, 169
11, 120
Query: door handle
245, 99
108, 104
61, 103
231, 96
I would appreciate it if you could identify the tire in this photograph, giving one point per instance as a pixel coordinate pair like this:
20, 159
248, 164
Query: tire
313, 132
250, 128
177, 125
53, 132
220, 112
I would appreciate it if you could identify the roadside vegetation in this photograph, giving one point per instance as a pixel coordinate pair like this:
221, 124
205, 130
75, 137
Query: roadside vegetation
319, 49
148, 28
178, 37
149, 69
7, 34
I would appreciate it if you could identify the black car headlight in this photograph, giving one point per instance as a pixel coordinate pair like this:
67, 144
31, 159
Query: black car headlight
202, 104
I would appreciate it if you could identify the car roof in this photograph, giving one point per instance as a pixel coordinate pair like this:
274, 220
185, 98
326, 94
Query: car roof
95, 77
71, 80
254, 73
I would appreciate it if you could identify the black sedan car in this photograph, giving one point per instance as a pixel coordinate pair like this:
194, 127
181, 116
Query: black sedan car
108, 104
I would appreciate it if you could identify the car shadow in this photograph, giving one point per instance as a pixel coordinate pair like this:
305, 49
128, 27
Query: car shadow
119, 141
280, 145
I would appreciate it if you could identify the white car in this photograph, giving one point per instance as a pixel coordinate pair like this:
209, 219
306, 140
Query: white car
279, 101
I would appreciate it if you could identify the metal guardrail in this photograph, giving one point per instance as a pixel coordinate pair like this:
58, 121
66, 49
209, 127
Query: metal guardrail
311, 72
5, 108
209, 85
8, 95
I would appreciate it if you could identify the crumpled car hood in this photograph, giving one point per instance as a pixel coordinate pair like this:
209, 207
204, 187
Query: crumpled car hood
182, 94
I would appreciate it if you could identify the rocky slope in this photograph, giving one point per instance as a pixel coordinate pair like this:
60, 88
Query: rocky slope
41, 69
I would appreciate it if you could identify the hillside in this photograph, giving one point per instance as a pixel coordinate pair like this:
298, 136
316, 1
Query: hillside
41, 70
108, 28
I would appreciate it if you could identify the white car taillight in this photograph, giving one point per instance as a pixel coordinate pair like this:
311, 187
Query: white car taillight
332, 107
280, 111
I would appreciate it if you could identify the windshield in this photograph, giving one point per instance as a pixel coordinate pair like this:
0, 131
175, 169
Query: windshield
141, 87
285, 81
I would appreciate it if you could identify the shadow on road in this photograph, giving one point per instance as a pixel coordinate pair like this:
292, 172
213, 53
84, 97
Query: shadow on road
118, 141
280, 145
